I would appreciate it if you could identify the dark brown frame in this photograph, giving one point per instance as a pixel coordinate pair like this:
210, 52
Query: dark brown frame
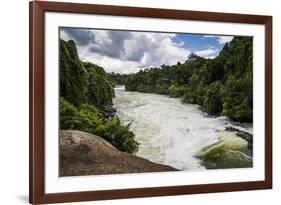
37, 194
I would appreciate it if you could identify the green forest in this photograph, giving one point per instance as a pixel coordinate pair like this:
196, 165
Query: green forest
86, 98
222, 86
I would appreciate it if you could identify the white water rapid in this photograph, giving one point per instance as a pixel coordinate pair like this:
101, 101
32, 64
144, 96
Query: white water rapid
170, 132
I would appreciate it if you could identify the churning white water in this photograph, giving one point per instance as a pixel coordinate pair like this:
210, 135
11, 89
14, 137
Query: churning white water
170, 132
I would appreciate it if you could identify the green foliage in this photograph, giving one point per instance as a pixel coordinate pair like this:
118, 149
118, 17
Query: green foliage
176, 91
238, 98
189, 96
100, 92
68, 115
89, 119
72, 70
81, 82
85, 91
117, 78
213, 98
223, 86
118, 135
214, 72
162, 86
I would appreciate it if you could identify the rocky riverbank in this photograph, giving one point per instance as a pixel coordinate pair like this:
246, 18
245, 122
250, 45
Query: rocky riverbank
82, 153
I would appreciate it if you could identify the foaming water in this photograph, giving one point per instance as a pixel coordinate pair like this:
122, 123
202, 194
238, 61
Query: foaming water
170, 132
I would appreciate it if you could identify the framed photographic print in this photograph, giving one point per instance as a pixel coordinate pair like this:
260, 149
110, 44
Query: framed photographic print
139, 102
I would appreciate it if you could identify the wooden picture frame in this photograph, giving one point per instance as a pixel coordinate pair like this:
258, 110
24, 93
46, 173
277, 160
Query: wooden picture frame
37, 98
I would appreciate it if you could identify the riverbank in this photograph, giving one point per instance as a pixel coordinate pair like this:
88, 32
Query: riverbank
173, 133
83, 153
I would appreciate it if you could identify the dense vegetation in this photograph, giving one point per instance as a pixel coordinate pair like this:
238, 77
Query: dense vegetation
223, 86
117, 78
85, 93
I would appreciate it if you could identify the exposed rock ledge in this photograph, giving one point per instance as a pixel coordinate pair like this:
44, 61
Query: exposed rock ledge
82, 153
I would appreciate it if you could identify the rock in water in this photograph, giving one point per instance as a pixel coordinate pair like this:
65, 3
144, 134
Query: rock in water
83, 153
109, 111
231, 151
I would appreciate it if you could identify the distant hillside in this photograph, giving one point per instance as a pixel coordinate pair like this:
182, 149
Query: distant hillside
223, 86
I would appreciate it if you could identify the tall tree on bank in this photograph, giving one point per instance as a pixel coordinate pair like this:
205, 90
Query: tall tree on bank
223, 86
85, 94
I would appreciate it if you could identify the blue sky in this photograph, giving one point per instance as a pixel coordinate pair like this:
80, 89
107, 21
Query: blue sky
196, 42
130, 51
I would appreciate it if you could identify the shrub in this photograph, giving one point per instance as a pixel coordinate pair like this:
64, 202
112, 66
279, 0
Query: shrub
176, 91
213, 98
88, 118
162, 86
238, 99
118, 135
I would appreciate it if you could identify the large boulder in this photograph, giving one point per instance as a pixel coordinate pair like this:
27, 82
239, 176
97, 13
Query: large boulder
83, 153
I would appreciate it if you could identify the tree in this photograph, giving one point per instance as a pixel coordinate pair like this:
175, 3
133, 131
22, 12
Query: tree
213, 98
85, 91
222, 85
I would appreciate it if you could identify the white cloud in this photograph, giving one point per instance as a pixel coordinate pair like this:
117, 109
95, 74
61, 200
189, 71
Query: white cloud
65, 36
224, 39
127, 52
208, 53
220, 39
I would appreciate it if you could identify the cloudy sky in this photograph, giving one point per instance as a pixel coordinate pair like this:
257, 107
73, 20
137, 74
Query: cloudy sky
128, 52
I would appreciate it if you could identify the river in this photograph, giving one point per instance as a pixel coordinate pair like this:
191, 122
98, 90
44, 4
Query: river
170, 132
